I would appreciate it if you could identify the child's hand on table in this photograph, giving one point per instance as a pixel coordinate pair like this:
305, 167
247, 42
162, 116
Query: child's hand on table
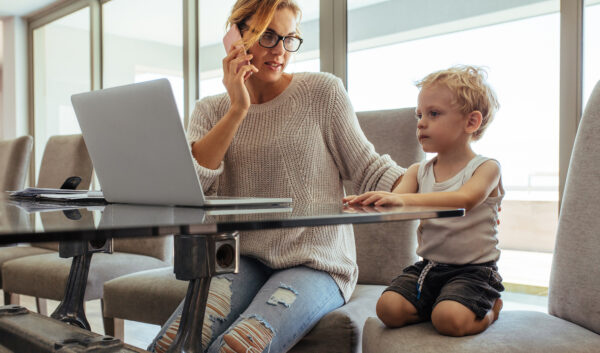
377, 198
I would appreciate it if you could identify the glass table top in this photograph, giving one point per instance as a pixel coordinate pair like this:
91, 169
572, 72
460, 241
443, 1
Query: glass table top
26, 221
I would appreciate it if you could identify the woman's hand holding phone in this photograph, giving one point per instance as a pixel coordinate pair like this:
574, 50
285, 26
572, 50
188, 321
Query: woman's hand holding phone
236, 68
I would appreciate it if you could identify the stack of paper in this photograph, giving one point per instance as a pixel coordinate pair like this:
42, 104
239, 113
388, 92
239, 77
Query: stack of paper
57, 195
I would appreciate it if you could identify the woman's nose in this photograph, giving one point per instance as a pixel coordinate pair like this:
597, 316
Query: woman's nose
278, 49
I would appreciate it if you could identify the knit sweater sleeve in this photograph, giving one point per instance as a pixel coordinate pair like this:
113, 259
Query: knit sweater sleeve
354, 155
202, 120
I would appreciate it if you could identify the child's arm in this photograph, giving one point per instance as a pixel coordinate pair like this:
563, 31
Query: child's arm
408, 184
483, 182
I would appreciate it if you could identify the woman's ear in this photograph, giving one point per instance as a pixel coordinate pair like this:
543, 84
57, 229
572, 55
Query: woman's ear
473, 122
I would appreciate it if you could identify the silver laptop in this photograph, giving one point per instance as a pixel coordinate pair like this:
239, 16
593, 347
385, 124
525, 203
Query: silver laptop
139, 150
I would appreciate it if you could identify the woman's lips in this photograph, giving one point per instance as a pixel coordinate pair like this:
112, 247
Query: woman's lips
273, 65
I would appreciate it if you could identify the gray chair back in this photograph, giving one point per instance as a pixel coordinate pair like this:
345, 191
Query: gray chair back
158, 247
65, 156
575, 276
384, 249
14, 160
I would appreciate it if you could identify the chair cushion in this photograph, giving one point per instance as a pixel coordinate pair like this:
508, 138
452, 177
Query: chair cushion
383, 250
15, 252
158, 247
148, 296
14, 160
45, 276
65, 156
515, 331
341, 329
575, 276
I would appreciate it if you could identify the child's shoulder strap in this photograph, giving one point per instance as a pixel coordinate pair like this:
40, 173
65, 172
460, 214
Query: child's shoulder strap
475, 163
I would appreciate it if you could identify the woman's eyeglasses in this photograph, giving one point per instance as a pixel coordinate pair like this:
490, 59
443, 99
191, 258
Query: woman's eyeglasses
271, 39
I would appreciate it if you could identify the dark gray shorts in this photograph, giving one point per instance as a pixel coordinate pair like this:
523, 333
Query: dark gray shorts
474, 286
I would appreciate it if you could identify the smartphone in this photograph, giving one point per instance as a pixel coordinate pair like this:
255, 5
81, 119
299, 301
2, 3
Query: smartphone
232, 37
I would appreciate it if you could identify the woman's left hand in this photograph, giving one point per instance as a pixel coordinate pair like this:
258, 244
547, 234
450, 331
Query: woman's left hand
377, 198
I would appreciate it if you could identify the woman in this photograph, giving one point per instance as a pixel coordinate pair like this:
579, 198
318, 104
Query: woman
275, 134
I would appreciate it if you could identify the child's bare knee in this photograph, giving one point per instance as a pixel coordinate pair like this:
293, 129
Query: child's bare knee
395, 311
450, 319
249, 335
449, 326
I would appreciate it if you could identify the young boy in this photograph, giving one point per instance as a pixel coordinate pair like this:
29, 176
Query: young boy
456, 285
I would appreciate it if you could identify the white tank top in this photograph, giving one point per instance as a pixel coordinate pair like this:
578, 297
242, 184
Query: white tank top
471, 239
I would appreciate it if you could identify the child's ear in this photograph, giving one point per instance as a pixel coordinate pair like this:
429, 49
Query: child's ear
473, 122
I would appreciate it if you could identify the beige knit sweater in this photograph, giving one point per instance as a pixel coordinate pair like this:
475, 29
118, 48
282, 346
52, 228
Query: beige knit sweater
301, 145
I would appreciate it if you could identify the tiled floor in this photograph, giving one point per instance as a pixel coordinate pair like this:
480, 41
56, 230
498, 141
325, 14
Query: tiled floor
140, 335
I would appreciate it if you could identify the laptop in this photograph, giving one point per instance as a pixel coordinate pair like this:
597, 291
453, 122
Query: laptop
138, 147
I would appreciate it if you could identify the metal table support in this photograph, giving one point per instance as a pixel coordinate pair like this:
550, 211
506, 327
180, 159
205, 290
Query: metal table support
71, 308
197, 259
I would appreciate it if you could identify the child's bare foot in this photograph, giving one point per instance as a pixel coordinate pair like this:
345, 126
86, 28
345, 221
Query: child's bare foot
496, 308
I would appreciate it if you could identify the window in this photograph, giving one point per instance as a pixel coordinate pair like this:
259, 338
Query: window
591, 50
61, 57
143, 40
213, 17
394, 43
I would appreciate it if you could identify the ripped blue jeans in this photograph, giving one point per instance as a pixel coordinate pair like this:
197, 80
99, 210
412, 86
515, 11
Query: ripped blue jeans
259, 309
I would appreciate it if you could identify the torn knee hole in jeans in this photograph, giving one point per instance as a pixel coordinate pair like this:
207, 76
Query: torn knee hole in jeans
218, 306
284, 295
251, 335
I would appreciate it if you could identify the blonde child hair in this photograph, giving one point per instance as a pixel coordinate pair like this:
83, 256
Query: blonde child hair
263, 10
471, 91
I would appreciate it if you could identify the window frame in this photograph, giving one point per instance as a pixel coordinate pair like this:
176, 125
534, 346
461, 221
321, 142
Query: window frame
333, 56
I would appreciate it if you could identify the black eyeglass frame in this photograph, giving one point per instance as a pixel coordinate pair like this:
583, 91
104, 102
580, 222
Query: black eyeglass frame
280, 38
243, 27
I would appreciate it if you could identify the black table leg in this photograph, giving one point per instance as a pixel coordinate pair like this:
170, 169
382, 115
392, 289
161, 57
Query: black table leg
197, 259
70, 309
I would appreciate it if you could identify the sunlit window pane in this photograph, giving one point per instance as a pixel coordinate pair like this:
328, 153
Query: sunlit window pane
143, 40
61, 67
591, 49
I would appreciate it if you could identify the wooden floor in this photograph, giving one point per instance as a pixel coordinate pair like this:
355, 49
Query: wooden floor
136, 334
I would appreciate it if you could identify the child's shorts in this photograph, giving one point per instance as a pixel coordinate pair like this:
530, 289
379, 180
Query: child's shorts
474, 286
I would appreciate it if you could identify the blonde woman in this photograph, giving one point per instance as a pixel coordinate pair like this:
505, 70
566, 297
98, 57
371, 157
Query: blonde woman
275, 134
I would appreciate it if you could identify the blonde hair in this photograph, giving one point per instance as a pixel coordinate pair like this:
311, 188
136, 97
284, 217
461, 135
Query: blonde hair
263, 10
470, 89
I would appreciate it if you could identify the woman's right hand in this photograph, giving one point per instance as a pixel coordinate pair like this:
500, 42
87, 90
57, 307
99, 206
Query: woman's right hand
235, 74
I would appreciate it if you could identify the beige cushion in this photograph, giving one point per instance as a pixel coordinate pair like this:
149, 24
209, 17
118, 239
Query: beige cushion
45, 276
575, 277
15, 252
148, 296
383, 249
14, 162
65, 156
158, 247
515, 331
341, 329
